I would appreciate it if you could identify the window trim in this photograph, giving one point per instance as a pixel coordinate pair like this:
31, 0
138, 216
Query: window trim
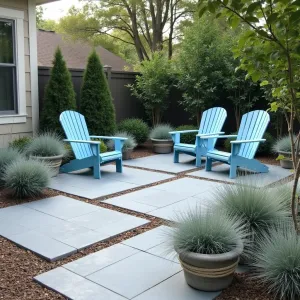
19, 116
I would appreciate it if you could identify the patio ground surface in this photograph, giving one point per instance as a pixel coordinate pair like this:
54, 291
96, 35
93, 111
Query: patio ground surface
138, 268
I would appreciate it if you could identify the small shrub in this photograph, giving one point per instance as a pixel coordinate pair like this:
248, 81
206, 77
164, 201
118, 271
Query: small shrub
277, 262
161, 132
103, 147
26, 178
282, 144
130, 143
45, 145
258, 208
20, 144
205, 233
263, 148
187, 138
137, 128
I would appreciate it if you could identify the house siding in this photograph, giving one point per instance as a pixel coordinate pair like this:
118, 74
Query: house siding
9, 132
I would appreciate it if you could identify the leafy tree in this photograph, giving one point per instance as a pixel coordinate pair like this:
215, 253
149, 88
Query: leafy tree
41, 23
201, 65
153, 86
269, 52
146, 25
59, 95
96, 101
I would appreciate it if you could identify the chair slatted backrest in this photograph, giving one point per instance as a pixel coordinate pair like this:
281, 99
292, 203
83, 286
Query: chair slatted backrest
253, 126
212, 120
75, 128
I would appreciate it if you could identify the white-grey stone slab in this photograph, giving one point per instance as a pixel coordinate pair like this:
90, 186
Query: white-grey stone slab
99, 260
164, 250
83, 183
148, 239
75, 287
175, 288
221, 172
135, 274
8, 228
62, 207
13, 212
42, 245
164, 162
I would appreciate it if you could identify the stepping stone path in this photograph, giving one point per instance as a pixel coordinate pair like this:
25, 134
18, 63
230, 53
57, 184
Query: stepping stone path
59, 226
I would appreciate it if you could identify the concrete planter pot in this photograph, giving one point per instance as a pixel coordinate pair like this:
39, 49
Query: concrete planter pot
287, 162
53, 162
126, 154
210, 272
162, 146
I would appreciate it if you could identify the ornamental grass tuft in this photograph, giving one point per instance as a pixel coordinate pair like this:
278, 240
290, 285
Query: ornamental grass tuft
161, 132
130, 143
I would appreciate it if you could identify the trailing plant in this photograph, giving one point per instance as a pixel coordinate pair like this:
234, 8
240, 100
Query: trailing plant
130, 143
26, 178
259, 209
187, 138
277, 262
137, 128
7, 157
205, 232
161, 132
263, 148
20, 144
45, 145
153, 86
59, 95
96, 100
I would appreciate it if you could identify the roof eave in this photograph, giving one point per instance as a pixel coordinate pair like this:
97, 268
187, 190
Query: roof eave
39, 2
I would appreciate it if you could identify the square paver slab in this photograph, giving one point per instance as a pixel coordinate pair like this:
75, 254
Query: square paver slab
148, 239
164, 162
175, 288
75, 287
62, 207
99, 260
83, 183
221, 172
135, 274
164, 251
42, 245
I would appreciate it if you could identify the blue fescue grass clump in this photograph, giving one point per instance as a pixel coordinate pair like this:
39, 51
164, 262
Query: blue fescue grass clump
45, 145
283, 144
206, 232
130, 143
7, 156
161, 132
26, 178
277, 262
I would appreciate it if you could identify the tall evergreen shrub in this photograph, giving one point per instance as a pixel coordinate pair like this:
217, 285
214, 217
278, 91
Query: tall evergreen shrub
96, 101
59, 95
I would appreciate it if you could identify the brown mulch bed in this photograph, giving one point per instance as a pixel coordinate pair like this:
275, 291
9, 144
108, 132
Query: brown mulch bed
19, 266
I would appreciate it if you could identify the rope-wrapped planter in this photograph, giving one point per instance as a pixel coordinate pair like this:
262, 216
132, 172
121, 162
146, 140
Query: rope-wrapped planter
52, 162
162, 146
210, 272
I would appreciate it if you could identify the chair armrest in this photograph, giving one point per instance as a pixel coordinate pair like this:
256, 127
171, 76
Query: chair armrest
247, 141
184, 131
209, 134
82, 142
107, 137
218, 137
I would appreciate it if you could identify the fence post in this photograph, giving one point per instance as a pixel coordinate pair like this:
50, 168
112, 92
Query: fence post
108, 73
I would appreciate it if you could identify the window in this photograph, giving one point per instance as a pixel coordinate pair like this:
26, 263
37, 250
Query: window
8, 88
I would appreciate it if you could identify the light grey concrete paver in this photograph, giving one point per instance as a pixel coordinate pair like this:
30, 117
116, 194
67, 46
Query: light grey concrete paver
135, 274
44, 246
164, 162
164, 250
8, 228
99, 260
62, 207
175, 288
221, 172
147, 239
13, 212
74, 286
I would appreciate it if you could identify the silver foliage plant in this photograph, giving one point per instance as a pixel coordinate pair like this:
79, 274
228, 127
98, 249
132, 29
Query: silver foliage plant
130, 143
161, 132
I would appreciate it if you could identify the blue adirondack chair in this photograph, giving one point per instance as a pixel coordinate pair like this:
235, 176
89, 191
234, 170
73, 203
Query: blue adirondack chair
243, 149
87, 152
211, 123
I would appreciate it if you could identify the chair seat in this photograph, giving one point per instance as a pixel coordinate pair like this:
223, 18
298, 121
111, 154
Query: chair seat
185, 147
219, 155
111, 155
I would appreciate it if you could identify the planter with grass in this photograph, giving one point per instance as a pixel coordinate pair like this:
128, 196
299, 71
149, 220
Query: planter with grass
128, 145
283, 148
48, 149
209, 246
162, 142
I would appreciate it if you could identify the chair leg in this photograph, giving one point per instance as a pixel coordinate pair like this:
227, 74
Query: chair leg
119, 167
176, 157
208, 164
96, 171
232, 172
198, 160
